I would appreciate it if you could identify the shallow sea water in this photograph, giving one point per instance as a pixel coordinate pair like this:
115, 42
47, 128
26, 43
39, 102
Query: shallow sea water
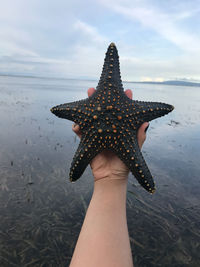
41, 212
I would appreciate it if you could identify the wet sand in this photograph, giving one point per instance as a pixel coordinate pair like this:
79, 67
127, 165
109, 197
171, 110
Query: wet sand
41, 212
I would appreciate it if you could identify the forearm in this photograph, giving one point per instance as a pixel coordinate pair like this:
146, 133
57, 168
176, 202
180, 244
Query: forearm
104, 239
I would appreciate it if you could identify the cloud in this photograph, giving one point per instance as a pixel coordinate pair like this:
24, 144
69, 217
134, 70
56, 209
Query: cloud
85, 59
156, 39
152, 17
136, 69
149, 79
90, 32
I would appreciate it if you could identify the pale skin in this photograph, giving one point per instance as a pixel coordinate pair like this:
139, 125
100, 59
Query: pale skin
104, 239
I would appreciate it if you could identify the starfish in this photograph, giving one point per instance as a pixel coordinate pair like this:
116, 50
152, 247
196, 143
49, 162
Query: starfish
109, 120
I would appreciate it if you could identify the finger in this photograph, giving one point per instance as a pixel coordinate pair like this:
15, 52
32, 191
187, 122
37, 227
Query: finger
90, 91
129, 93
141, 135
76, 129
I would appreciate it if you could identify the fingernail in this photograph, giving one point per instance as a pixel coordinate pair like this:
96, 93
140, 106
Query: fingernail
146, 129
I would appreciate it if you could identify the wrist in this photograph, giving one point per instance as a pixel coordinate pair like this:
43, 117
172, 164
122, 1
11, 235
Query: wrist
111, 189
111, 181
111, 176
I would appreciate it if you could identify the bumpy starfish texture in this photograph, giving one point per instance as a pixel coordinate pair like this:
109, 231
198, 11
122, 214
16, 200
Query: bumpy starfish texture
110, 120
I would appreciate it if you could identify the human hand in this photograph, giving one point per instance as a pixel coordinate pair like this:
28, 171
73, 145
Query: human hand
107, 164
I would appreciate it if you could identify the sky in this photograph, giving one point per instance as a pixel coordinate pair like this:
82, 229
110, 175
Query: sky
157, 40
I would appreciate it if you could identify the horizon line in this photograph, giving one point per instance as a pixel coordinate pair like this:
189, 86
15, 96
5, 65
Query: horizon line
165, 82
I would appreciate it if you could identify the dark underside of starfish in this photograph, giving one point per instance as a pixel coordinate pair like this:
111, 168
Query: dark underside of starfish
110, 120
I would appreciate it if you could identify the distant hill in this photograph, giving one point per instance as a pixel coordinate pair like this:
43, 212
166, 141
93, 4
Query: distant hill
175, 82
183, 83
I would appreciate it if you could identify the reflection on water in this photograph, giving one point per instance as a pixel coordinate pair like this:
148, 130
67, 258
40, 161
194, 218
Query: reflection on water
42, 212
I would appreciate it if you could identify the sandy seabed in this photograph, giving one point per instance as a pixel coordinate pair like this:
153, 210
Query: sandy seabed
41, 212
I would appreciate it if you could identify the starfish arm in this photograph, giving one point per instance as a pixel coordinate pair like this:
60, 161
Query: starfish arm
110, 75
141, 172
151, 110
129, 152
69, 111
86, 151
